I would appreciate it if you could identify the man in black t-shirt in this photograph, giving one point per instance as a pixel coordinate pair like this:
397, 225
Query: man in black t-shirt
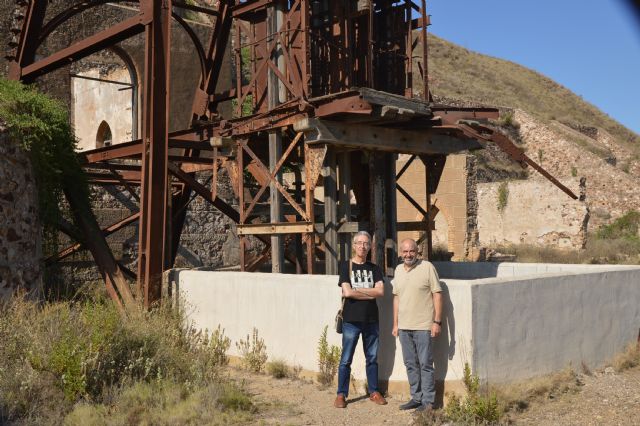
361, 283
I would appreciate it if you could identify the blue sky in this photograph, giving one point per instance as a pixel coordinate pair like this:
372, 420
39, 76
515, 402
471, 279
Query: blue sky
592, 47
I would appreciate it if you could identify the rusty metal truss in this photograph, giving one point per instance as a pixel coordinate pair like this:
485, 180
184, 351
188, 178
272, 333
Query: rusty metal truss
342, 86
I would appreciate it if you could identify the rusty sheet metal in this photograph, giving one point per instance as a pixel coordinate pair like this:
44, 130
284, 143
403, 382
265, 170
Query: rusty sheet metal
316, 154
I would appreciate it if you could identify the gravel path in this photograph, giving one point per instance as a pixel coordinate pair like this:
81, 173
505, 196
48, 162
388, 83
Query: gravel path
603, 399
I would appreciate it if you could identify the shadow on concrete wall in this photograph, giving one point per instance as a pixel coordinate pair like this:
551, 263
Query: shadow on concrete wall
467, 270
387, 345
445, 344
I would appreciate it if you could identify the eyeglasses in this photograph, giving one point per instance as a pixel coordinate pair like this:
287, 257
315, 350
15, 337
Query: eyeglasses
362, 243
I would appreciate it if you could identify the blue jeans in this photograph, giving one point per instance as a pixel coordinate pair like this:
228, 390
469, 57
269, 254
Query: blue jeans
350, 333
417, 353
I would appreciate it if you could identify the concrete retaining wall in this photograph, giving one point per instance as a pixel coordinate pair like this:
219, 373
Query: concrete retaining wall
519, 323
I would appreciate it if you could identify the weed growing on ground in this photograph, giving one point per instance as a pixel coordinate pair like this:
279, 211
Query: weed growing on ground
598, 250
508, 120
503, 196
84, 360
626, 227
627, 359
328, 359
218, 344
477, 407
279, 369
254, 352
518, 396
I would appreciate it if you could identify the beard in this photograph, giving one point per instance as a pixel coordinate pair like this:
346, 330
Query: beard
411, 262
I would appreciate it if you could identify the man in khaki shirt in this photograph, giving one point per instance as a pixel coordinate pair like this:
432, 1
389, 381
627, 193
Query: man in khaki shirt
417, 319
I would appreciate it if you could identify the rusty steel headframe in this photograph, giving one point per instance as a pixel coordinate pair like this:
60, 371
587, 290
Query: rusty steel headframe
312, 77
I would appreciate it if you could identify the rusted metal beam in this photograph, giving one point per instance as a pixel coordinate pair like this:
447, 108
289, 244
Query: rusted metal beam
68, 251
214, 58
84, 48
122, 150
205, 193
27, 43
153, 221
182, 4
485, 133
249, 6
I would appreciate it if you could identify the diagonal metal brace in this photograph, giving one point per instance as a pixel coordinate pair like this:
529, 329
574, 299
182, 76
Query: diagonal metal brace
481, 132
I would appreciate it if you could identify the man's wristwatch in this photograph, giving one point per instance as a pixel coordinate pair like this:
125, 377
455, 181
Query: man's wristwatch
439, 323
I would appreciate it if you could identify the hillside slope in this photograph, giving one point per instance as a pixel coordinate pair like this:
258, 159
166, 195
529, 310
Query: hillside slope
567, 135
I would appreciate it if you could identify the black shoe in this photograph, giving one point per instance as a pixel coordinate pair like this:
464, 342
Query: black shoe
410, 405
423, 408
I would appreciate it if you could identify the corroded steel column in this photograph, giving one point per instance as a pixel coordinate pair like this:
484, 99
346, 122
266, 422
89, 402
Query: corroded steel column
152, 238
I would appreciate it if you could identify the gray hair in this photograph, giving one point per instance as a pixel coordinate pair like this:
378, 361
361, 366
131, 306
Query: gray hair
361, 233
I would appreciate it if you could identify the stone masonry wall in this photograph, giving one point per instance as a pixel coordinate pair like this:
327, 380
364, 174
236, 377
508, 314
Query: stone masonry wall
535, 213
208, 238
20, 241
610, 190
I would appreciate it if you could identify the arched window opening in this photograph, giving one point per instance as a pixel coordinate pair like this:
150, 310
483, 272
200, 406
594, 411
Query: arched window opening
103, 137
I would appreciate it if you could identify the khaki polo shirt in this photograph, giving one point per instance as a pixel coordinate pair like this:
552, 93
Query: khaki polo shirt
415, 292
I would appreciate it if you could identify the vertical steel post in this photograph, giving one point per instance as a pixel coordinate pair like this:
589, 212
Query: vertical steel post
152, 238
274, 90
309, 187
241, 221
427, 172
390, 244
423, 11
330, 213
344, 203
377, 207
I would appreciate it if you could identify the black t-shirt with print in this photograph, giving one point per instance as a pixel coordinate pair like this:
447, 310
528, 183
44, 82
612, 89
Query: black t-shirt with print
362, 276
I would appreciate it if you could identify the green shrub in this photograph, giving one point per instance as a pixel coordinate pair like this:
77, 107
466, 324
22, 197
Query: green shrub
477, 406
624, 227
42, 127
235, 398
218, 344
508, 120
328, 359
503, 196
278, 369
574, 171
254, 352
55, 355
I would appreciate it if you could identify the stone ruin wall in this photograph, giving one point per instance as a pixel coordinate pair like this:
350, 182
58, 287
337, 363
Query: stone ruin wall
20, 235
610, 191
208, 238
536, 213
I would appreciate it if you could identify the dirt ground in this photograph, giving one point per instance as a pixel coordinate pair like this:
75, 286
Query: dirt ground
604, 398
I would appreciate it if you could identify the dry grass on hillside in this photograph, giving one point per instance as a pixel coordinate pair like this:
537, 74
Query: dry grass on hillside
455, 72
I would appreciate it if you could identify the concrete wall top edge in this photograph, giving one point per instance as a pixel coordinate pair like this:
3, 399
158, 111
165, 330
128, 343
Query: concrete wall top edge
485, 270
543, 278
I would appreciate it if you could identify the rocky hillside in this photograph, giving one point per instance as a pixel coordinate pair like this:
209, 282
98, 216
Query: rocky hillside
567, 135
